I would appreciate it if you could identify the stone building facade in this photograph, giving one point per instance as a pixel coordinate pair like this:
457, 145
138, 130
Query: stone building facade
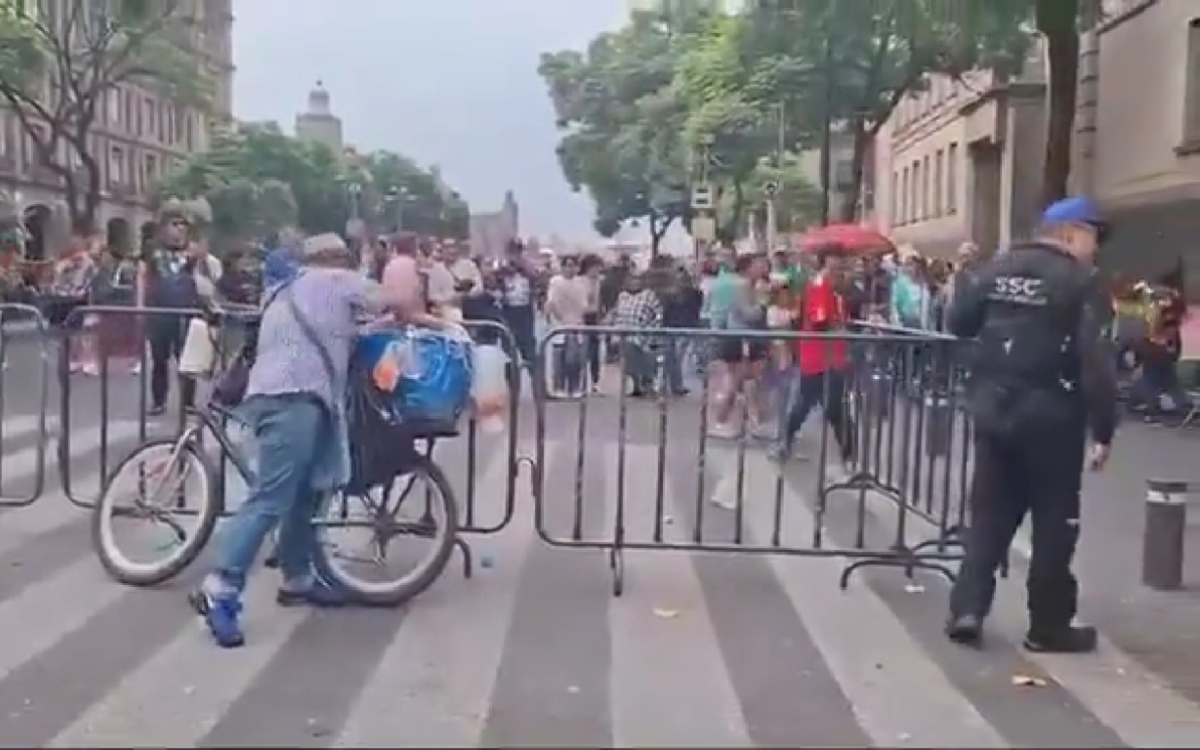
139, 134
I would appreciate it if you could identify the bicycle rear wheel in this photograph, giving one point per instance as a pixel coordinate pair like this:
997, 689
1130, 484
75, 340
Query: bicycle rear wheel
151, 484
437, 522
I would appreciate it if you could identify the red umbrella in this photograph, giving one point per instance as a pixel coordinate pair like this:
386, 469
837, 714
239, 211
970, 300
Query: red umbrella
853, 239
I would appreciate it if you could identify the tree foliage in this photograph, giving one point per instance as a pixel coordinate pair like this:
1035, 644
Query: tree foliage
406, 196
259, 180
60, 61
620, 113
670, 99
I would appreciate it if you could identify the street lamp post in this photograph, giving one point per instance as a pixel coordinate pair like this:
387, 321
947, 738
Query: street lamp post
394, 199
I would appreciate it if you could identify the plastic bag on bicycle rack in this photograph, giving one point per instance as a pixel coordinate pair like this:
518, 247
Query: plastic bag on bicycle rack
427, 372
381, 449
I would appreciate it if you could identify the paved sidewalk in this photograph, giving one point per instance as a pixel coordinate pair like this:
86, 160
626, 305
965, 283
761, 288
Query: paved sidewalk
1158, 628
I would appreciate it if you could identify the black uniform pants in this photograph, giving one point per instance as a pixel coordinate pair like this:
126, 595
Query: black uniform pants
1036, 472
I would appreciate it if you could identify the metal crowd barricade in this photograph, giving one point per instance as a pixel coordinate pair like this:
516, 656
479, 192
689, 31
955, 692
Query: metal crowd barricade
93, 444
459, 457
473, 519
908, 437
915, 439
25, 324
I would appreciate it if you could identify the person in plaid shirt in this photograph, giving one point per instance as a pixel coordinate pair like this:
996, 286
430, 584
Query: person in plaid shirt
638, 307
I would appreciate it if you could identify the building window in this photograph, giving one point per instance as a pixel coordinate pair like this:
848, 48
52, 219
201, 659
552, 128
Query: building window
127, 106
894, 200
1191, 121
918, 203
116, 166
151, 123
952, 179
904, 197
939, 171
131, 170
113, 99
926, 194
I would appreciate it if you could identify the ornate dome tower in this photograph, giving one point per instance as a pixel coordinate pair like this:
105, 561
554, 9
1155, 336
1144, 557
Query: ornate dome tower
318, 123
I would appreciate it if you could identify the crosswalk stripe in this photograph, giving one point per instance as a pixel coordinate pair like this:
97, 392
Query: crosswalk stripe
18, 468
53, 511
433, 685
180, 693
533, 650
34, 621
868, 650
662, 634
1109, 683
14, 426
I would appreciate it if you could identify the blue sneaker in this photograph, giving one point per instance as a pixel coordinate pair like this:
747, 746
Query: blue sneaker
222, 614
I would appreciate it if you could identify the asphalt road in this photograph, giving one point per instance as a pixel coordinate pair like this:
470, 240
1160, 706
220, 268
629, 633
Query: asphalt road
534, 650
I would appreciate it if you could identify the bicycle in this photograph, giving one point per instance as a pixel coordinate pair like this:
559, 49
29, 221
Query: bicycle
160, 498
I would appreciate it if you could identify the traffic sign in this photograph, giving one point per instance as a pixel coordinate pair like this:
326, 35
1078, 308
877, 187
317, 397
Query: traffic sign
702, 197
771, 188
704, 228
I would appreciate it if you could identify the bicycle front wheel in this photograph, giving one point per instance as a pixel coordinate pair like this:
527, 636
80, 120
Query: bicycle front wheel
170, 487
370, 568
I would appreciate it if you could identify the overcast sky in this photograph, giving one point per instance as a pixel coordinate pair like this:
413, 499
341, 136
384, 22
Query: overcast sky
448, 82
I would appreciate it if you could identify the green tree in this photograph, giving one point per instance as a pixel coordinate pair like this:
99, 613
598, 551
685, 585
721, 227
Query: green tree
733, 79
404, 195
621, 116
60, 61
259, 180
785, 184
861, 57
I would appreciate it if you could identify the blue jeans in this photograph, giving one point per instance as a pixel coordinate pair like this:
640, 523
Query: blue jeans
824, 389
289, 431
639, 365
673, 351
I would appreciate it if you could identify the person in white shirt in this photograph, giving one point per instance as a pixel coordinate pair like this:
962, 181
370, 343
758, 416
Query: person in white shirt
568, 299
454, 277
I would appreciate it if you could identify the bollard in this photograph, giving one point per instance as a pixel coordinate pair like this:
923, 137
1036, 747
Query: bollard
939, 426
1163, 538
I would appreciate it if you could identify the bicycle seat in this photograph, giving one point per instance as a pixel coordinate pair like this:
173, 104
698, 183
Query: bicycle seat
426, 429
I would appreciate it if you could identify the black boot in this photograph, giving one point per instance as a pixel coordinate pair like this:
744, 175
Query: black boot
1072, 639
965, 630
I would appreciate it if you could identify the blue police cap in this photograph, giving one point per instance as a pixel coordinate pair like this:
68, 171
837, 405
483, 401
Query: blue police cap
1076, 210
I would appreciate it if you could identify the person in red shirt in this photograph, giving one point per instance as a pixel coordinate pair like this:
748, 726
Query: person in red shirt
821, 362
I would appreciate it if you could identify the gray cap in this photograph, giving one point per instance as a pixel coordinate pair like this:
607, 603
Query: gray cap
321, 244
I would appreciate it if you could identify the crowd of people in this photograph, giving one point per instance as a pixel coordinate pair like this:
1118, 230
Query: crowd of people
312, 294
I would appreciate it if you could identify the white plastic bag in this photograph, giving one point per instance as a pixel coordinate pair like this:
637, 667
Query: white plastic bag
490, 387
199, 350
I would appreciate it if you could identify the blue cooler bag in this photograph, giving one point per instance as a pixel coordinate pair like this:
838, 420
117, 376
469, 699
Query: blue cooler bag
427, 372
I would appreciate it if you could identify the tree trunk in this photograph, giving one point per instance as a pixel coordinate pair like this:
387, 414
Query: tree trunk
733, 227
858, 162
91, 198
658, 229
1056, 19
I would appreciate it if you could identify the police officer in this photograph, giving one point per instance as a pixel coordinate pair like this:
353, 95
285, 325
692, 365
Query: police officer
1043, 378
